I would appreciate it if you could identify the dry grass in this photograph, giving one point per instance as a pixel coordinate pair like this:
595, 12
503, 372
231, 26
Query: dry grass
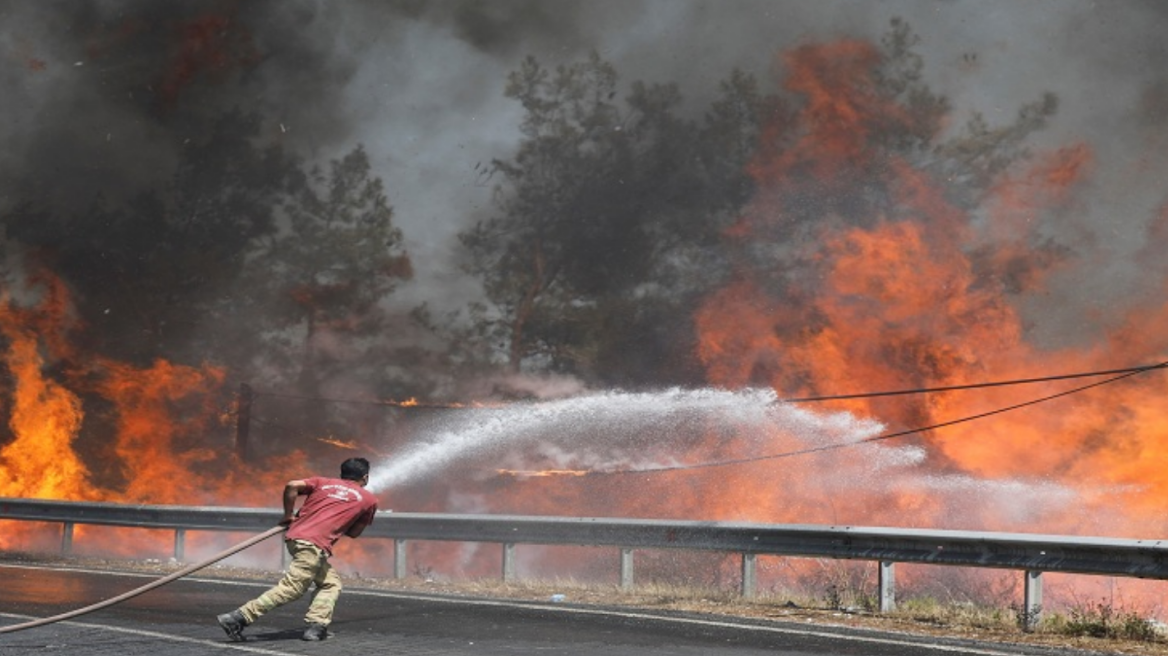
1079, 629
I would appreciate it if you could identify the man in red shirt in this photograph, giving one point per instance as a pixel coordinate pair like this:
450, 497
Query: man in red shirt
332, 507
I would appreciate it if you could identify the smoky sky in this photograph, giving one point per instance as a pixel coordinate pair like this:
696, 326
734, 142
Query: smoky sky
98, 97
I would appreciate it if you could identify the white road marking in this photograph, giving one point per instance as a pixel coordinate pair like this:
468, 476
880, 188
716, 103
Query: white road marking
162, 636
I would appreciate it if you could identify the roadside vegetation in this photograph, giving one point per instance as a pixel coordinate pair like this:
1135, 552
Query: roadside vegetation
1098, 626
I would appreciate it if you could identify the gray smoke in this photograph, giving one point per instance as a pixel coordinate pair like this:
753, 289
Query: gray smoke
96, 99
100, 95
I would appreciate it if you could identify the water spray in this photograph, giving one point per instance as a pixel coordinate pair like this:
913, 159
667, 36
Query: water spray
629, 423
275, 530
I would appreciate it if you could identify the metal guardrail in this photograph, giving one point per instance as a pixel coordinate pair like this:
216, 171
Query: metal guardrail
1031, 554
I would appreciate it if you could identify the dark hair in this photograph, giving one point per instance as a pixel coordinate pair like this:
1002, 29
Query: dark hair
354, 469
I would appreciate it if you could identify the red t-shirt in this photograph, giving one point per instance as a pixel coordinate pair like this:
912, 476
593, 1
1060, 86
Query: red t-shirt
332, 506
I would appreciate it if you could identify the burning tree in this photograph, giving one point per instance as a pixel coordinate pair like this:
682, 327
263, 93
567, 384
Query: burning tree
325, 281
605, 221
883, 251
150, 273
862, 166
615, 219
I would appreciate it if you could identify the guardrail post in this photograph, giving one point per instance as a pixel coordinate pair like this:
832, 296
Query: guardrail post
749, 578
399, 559
1032, 593
509, 562
626, 569
180, 544
886, 580
67, 538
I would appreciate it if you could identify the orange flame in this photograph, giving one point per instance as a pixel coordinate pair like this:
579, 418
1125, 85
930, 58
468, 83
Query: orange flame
39, 462
413, 402
351, 445
519, 473
920, 294
159, 452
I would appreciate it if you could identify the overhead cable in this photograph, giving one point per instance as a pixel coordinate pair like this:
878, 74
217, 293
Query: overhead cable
1127, 373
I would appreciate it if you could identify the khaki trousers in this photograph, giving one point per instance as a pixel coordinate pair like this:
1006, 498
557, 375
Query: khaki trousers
309, 566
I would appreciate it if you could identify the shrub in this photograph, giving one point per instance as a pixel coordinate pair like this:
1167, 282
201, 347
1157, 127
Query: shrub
1102, 620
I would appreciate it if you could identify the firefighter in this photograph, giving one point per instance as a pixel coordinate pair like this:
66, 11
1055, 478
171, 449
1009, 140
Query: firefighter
332, 507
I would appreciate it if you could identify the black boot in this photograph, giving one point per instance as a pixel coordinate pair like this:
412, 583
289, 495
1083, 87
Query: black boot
233, 623
315, 632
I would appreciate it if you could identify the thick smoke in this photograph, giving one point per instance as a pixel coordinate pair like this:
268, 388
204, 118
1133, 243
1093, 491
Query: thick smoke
98, 96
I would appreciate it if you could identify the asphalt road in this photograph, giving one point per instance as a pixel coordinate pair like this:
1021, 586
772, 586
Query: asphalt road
179, 620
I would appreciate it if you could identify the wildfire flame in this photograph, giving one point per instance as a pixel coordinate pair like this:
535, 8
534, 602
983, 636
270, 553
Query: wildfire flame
925, 293
413, 402
40, 461
155, 454
519, 473
351, 445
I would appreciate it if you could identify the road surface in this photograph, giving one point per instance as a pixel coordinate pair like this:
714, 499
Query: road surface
179, 620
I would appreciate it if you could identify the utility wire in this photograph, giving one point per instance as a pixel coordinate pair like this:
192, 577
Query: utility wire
1127, 373
1000, 383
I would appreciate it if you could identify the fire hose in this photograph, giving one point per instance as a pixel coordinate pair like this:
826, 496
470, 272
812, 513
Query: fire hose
149, 586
